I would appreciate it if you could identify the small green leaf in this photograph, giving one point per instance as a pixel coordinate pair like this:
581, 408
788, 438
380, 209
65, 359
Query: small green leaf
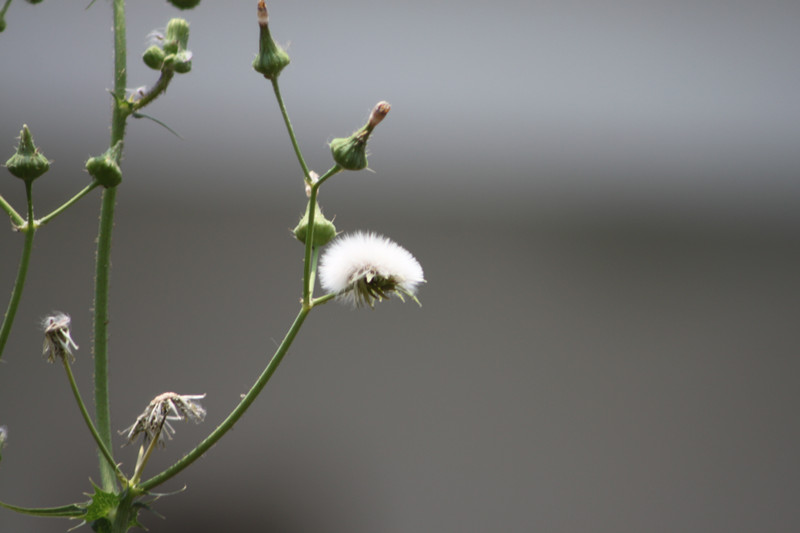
101, 505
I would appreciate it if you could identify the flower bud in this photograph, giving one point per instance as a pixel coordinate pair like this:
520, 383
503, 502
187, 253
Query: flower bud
28, 163
105, 168
271, 58
153, 57
184, 4
350, 153
183, 62
324, 230
177, 37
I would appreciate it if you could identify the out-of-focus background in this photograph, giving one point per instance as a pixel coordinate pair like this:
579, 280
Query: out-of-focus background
604, 196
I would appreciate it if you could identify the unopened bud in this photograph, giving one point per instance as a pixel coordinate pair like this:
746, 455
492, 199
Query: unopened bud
379, 112
153, 57
324, 230
105, 168
271, 58
350, 153
184, 4
28, 163
177, 36
182, 62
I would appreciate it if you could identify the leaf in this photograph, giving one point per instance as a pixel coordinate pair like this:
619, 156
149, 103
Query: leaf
101, 505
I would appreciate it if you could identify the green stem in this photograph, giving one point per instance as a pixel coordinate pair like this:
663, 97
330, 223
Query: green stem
306, 171
5, 8
309, 265
101, 319
323, 299
69, 203
16, 218
237, 413
157, 90
124, 513
308, 286
82, 406
22, 273
103, 265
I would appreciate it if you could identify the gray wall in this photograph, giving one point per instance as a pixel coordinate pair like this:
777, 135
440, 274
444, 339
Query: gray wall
604, 197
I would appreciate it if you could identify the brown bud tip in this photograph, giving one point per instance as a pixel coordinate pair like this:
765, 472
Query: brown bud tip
263, 16
379, 112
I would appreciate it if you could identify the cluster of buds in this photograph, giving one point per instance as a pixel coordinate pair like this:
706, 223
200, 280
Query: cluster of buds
350, 153
170, 53
58, 343
154, 424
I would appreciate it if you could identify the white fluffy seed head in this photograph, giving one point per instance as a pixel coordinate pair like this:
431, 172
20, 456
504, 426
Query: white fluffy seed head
351, 263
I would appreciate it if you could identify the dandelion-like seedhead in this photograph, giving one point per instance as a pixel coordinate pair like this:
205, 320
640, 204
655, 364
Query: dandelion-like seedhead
153, 423
364, 267
57, 340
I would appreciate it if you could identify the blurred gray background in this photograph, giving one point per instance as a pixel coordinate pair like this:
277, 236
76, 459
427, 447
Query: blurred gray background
604, 197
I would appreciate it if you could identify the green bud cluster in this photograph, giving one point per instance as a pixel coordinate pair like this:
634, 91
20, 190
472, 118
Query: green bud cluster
27, 163
105, 168
172, 54
324, 230
271, 58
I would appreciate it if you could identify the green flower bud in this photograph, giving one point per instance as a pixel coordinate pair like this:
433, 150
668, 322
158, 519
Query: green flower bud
177, 37
350, 153
28, 163
153, 57
184, 4
105, 168
271, 58
183, 62
324, 230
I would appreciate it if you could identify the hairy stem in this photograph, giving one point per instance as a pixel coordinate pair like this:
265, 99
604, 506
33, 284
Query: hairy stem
16, 218
22, 273
88, 419
103, 264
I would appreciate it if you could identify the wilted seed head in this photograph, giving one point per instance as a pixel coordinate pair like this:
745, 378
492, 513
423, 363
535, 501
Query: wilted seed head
365, 267
57, 340
163, 408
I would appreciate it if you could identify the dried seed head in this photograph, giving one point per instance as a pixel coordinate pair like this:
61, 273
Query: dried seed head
58, 343
154, 424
